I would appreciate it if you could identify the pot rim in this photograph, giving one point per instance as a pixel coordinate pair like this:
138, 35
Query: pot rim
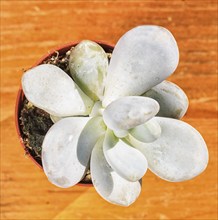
20, 94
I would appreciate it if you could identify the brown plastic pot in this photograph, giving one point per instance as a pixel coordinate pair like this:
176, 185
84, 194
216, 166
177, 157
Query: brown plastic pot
21, 96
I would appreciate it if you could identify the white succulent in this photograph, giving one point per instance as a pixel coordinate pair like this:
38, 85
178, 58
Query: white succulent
120, 137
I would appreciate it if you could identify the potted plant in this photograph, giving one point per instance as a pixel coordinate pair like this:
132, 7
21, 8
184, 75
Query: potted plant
114, 115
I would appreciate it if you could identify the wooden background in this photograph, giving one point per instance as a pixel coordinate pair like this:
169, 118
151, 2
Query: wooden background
29, 29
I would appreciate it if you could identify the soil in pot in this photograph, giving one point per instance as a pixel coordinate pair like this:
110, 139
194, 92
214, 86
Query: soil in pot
34, 122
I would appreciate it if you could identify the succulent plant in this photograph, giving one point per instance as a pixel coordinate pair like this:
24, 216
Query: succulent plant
117, 119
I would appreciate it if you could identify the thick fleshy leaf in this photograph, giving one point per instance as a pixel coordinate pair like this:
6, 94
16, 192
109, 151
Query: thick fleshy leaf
67, 148
96, 110
148, 132
51, 89
142, 58
171, 98
93, 130
128, 112
88, 66
179, 154
127, 161
59, 152
112, 187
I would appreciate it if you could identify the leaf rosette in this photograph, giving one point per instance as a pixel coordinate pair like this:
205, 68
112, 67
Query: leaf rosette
117, 118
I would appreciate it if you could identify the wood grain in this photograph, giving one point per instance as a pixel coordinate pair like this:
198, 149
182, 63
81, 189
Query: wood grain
29, 29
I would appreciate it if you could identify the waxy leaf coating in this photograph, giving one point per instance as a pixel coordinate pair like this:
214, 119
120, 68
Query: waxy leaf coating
142, 58
88, 66
48, 87
128, 112
108, 183
172, 99
124, 159
179, 154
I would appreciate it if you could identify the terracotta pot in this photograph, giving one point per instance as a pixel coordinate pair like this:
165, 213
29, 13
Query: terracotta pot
21, 96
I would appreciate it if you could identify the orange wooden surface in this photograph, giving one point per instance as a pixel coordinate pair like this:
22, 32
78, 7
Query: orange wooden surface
31, 28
